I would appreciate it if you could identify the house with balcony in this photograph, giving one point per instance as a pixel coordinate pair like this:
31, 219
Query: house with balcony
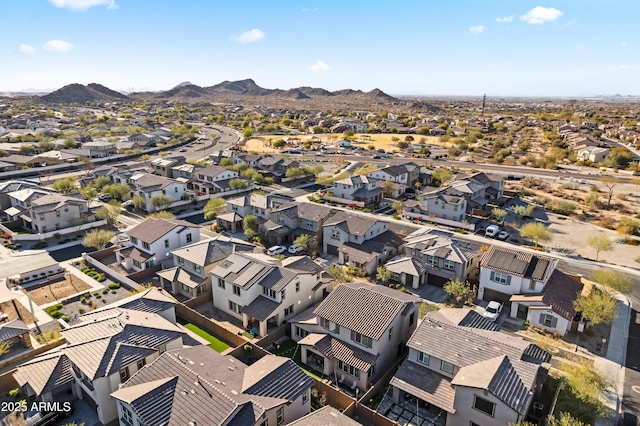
359, 241
292, 219
357, 333
212, 180
358, 188
147, 186
102, 352
263, 292
433, 257
532, 289
198, 386
192, 263
461, 366
151, 242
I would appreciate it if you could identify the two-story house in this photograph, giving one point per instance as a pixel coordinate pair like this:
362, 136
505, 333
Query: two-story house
359, 241
53, 212
404, 175
358, 188
212, 179
254, 204
151, 242
251, 160
442, 203
198, 386
460, 363
293, 219
147, 186
190, 276
356, 333
264, 292
276, 168
99, 149
433, 257
102, 351
163, 166
17, 199
535, 290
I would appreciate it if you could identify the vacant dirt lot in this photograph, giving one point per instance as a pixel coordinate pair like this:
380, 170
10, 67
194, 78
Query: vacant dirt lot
57, 291
15, 310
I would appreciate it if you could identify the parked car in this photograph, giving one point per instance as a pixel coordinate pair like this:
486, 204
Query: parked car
182, 150
104, 197
295, 249
276, 250
492, 311
44, 418
503, 235
376, 157
492, 231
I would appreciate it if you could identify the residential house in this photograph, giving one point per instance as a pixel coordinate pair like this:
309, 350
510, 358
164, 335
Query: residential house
292, 219
358, 188
406, 174
103, 351
359, 241
264, 292
11, 186
325, 416
163, 166
147, 186
151, 242
52, 212
357, 333
198, 386
16, 333
184, 172
251, 160
276, 168
460, 364
100, 149
443, 203
212, 179
192, 263
593, 153
22, 161
251, 204
433, 257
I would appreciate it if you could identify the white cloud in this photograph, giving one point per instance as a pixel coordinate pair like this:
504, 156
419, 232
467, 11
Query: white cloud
26, 49
249, 36
504, 19
320, 66
623, 44
476, 29
57, 46
83, 4
311, 9
570, 23
540, 15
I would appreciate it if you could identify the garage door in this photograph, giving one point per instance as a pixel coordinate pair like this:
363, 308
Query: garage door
490, 294
87, 398
333, 250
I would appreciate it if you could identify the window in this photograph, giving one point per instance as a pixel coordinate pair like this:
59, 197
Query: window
133, 240
180, 261
411, 318
297, 287
390, 333
269, 293
301, 332
145, 245
234, 307
432, 260
57, 213
328, 325
280, 219
137, 264
449, 265
288, 311
162, 349
124, 375
66, 210
361, 339
423, 358
484, 405
473, 424
148, 264
220, 283
265, 422
189, 238
197, 268
236, 290
280, 416
305, 398
41, 217
202, 288
532, 285
126, 415
186, 288
445, 366
349, 369
57, 226
310, 224
140, 363
371, 371
335, 234
548, 320
282, 295
500, 277
166, 243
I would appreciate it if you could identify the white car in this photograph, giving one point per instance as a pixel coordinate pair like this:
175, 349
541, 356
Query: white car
295, 249
503, 235
276, 250
492, 231
492, 311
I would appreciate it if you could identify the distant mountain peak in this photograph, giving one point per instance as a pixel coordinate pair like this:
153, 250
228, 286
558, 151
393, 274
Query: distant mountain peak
184, 83
78, 93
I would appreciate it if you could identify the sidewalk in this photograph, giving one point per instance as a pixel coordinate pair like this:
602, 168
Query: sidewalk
612, 366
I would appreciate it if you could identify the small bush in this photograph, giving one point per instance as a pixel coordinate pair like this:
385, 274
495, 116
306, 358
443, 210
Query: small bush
396, 217
100, 278
83, 300
98, 296
14, 392
113, 292
86, 270
114, 286
40, 245
81, 310
65, 318
105, 291
53, 308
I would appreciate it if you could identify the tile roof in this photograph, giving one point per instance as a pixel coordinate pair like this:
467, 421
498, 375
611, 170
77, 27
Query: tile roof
260, 308
148, 182
45, 373
152, 229
363, 308
351, 223
464, 317
405, 264
518, 263
13, 329
426, 384
560, 293
179, 275
302, 264
325, 416
276, 377
134, 253
210, 251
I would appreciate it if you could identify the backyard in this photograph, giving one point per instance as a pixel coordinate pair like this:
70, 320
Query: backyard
215, 343
289, 349
43, 294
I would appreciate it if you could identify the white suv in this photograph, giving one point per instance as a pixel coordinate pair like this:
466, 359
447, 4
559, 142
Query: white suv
295, 249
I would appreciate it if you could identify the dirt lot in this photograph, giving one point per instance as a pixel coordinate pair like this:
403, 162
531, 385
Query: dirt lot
57, 291
15, 310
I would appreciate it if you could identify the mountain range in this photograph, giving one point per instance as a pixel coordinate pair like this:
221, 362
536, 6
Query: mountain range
240, 91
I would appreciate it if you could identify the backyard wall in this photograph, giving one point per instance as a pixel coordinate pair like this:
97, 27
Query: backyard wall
30, 354
276, 334
64, 231
209, 325
108, 272
426, 218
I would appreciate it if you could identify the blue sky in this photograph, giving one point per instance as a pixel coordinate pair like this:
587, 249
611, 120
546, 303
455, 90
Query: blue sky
425, 47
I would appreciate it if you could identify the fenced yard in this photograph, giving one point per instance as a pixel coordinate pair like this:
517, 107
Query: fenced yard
41, 295
214, 343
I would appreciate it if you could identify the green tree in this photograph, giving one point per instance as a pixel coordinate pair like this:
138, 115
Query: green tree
250, 225
101, 181
98, 239
214, 207
161, 201
598, 307
536, 232
457, 289
599, 243
89, 194
69, 143
338, 274
307, 242
425, 308
109, 213
138, 202
387, 188
119, 191
238, 184
294, 173
627, 226
383, 274
441, 176
46, 146
5, 347
65, 185
564, 207
280, 143
565, 420
247, 132
26, 149
612, 280
499, 214
398, 206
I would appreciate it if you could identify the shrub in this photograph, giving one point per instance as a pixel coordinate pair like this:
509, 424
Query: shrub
53, 308
65, 318
83, 300
81, 310
113, 292
86, 270
14, 392
100, 278
40, 245
98, 296
113, 286
105, 291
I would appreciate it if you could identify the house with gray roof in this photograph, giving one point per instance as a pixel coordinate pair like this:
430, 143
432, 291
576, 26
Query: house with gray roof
358, 188
192, 263
104, 349
214, 179
325, 416
148, 186
473, 373
433, 257
151, 242
444, 203
292, 219
264, 292
356, 333
198, 386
